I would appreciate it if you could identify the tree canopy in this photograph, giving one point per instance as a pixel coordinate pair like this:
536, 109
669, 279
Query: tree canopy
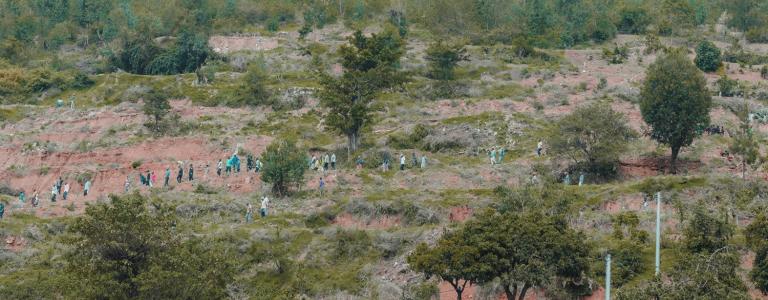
370, 65
124, 249
675, 102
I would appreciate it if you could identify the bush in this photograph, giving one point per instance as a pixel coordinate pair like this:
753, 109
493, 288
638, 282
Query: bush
81, 81
757, 35
594, 137
617, 55
412, 140
350, 244
706, 233
707, 57
284, 166
727, 87
442, 59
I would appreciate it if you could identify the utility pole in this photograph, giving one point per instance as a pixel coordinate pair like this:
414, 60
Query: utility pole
608, 277
658, 232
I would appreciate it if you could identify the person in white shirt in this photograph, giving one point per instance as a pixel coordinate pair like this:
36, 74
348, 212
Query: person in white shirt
264, 204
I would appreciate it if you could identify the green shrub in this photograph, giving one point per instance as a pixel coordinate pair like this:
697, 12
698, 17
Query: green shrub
409, 141
350, 244
707, 57
284, 166
727, 87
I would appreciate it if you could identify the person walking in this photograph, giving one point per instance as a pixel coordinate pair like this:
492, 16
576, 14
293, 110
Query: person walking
65, 193
54, 192
264, 204
402, 162
22, 198
180, 174
59, 183
167, 176
2, 210
191, 172
321, 186
258, 165
218, 168
86, 187
326, 162
539, 148
423, 161
149, 178
581, 179
127, 185
249, 213
333, 161
35, 198
228, 170
153, 178
567, 179
502, 152
492, 155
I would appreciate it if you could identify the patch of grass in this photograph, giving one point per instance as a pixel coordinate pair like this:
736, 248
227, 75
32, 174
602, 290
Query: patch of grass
482, 118
508, 90
11, 114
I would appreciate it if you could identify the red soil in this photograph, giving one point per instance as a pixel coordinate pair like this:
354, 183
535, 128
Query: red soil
460, 213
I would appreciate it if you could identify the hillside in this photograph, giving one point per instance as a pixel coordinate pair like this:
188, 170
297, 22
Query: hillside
242, 87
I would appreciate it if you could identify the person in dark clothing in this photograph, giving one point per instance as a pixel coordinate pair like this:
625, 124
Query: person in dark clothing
180, 174
249, 162
59, 184
191, 173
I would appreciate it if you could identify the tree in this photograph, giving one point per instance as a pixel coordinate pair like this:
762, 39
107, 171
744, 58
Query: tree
156, 106
254, 90
369, 67
442, 58
706, 233
453, 259
708, 57
756, 235
122, 249
284, 166
593, 137
744, 143
696, 276
525, 251
675, 102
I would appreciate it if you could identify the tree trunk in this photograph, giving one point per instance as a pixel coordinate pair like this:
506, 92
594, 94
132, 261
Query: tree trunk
673, 160
523, 291
510, 293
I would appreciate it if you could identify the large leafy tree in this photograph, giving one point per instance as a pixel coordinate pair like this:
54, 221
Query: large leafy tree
370, 65
454, 259
526, 251
675, 102
284, 166
124, 249
593, 137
